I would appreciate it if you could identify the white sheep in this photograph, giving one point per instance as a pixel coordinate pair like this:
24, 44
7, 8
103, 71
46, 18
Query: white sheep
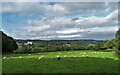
4, 57
20, 57
65, 55
39, 58
58, 56
42, 56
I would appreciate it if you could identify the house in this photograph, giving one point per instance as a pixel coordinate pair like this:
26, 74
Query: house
28, 43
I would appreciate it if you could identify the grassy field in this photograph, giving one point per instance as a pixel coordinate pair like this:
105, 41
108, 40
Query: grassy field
87, 61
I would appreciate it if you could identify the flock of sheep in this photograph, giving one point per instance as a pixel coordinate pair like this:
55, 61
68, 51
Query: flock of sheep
84, 54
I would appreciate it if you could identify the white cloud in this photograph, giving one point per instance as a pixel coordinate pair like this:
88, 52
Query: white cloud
104, 30
63, 27
57, 24
109, 20
69, 36
52, 23
69, 31
113, 15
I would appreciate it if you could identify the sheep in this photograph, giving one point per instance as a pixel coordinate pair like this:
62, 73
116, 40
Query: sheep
42, 56
39, 58
65, 55
98, 52
58, 57
103, 57
4, 57
84, 53
20, 57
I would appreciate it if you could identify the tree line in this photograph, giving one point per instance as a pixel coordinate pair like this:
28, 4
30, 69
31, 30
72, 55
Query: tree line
10, 45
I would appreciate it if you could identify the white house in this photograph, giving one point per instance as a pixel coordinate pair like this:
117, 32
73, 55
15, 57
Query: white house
28, 43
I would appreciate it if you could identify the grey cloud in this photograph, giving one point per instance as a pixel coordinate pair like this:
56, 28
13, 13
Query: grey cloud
60, 9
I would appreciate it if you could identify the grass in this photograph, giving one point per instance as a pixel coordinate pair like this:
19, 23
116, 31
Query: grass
75, 62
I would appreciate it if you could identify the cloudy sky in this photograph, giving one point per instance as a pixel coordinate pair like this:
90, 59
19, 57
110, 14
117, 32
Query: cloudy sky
60, 20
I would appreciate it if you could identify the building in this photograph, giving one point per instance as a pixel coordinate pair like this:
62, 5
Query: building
28, 43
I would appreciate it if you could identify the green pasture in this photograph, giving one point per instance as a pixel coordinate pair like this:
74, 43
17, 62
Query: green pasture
85, 61
83, 53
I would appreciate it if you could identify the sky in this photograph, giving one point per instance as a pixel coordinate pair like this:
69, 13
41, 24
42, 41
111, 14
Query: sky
60, 20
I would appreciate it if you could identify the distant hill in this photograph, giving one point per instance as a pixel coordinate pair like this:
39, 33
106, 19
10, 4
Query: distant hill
36, 40
82, 42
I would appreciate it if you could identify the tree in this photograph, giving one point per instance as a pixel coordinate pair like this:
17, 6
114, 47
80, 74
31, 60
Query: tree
8, 43
98, 46
117, 44
108, 44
